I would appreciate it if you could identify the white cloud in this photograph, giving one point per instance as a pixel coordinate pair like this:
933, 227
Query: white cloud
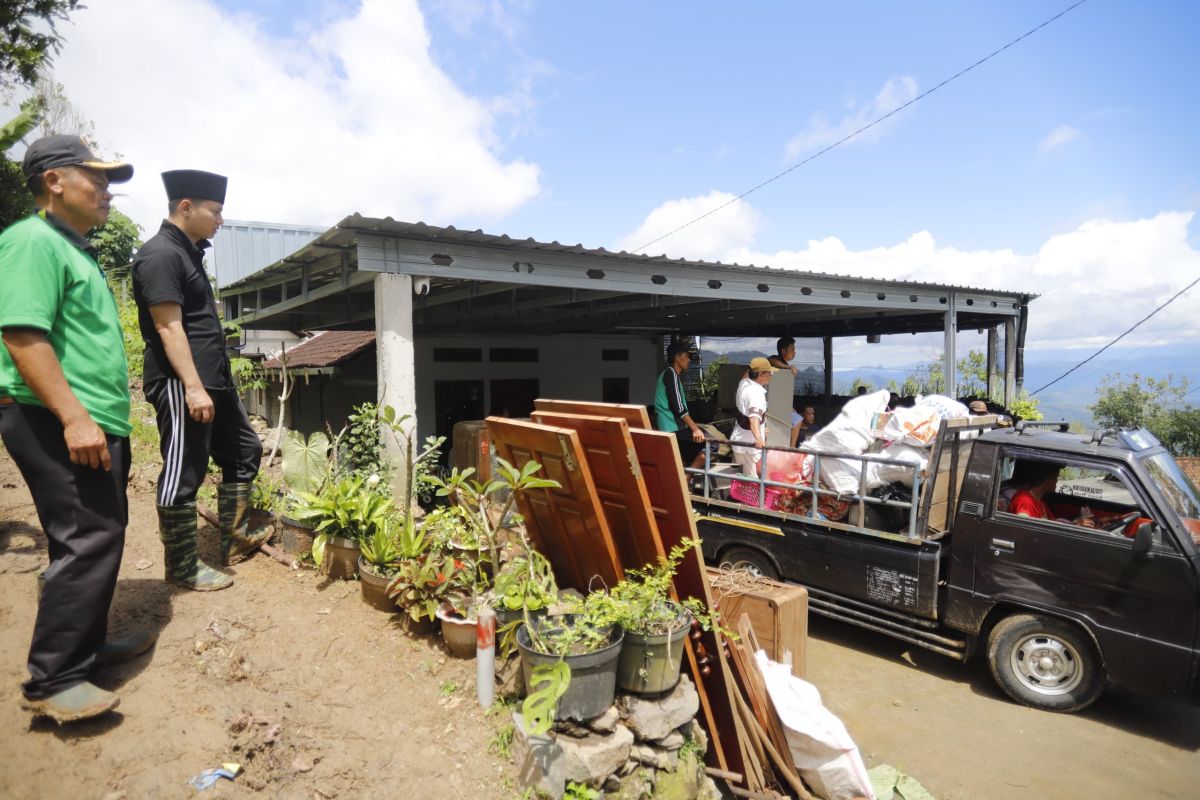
1093, 282
356, 116
1057, 138
733, 226
821, 132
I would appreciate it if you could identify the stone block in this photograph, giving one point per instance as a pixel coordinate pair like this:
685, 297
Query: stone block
606, 722
655, 757
652, 719
672, 741
549, 762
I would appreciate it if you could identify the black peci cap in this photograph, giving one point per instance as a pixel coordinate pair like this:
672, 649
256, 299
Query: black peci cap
194, 184
64, 150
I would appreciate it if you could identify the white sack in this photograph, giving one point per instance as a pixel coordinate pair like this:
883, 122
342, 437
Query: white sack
948, 407
825, 755
851, 431
841, 474
917, 425
891, 473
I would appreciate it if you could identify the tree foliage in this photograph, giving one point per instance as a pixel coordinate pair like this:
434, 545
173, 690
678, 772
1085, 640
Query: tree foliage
1158, 405
23, 48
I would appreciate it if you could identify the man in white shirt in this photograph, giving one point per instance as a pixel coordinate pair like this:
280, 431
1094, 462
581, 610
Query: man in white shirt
750, 427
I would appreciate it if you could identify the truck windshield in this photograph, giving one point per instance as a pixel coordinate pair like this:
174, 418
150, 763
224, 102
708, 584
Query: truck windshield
1177, 488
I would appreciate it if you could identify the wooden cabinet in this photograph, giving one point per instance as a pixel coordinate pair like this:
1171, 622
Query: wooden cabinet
778, 613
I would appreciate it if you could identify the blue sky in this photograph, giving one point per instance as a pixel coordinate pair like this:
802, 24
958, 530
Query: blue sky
1066, 166
646, 100
632, 103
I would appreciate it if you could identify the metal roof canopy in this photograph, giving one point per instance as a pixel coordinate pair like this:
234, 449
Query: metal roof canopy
494, 285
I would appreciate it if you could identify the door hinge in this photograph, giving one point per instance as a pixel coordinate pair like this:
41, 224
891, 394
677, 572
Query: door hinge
567, 452
634, 466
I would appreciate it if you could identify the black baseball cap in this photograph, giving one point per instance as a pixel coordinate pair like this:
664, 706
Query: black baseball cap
65, 150
195, 184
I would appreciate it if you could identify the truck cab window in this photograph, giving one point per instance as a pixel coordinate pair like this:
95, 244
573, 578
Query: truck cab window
1072, 494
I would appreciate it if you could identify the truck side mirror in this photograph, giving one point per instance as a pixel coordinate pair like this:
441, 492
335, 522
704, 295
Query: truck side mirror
1143, 541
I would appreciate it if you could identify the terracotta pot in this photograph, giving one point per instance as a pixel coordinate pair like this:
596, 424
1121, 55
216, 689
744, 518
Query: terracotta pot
341, 559
374, 587
458, 633
295, 537
417, 627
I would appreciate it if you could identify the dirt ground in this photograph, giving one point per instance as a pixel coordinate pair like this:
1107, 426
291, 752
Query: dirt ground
951, 728
316, 694
319, 696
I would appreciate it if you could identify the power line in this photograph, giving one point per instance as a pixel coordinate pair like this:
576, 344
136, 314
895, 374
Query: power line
1136, 325
866, 127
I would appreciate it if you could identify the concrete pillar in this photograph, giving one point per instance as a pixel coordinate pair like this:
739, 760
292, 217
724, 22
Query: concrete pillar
827, 342
395, 369
993, 363
1010, 361
949, 357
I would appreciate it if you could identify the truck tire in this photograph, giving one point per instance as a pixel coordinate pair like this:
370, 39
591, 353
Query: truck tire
1045, 662
750, 559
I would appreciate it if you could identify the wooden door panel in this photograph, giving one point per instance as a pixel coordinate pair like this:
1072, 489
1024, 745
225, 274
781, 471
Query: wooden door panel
662, 472
568, 524
617, 477
634, 415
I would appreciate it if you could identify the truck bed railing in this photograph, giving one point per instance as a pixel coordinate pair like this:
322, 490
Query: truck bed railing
920, 508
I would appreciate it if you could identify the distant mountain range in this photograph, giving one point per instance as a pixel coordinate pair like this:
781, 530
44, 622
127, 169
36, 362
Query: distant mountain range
1068, 399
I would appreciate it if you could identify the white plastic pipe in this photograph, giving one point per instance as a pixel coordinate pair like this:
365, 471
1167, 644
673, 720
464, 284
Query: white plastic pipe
485, 657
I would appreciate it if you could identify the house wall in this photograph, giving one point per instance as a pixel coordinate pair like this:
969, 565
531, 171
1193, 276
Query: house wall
567, 368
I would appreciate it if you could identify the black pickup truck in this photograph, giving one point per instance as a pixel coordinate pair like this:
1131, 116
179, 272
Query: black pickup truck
1103, 587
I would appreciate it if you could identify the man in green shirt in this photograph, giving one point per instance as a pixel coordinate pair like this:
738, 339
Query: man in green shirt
671, 409
64, 418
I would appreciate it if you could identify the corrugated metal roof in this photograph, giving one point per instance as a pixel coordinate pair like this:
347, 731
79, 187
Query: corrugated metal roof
342, 235
420, 230
241, 249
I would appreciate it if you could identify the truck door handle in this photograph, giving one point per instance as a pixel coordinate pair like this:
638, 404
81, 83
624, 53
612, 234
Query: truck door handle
1003, 545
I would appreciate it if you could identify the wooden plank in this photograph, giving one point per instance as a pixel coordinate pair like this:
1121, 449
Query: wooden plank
762, 719
617, 477
764, 712
662, 472
567, 525
636, 416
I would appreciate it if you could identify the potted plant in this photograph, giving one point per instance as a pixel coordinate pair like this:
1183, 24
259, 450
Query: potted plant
570, 667
345, 511
305, 469
391, 542
422, 584
654, 625
266, 501
524, 585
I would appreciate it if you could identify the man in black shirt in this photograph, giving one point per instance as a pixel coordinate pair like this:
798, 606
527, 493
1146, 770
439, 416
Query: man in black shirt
188, 379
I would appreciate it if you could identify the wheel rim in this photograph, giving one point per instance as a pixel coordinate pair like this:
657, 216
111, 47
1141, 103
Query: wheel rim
742, 564
1046, 664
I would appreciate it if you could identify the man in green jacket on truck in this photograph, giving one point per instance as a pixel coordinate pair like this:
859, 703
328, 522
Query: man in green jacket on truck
64, 418
671, 409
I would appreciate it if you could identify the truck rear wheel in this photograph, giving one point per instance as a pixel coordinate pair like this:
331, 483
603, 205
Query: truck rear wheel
1045, 663
748, 558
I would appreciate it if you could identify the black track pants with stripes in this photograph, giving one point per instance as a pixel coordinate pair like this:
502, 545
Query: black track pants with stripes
83, 512
186, 444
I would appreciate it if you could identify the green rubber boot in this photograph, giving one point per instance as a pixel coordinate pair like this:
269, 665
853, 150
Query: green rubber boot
81, 701
238, 541
177, 529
